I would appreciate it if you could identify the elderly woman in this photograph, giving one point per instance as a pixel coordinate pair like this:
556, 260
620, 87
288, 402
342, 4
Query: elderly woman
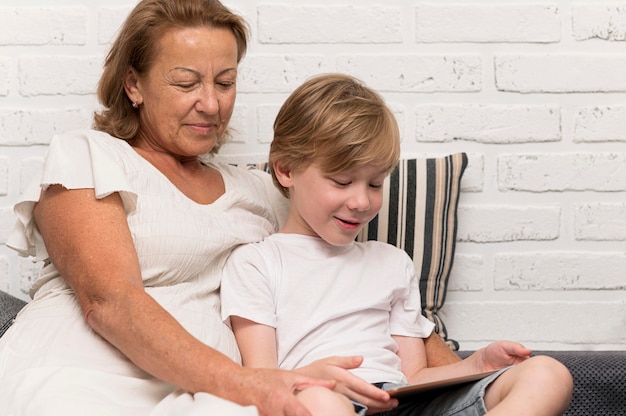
133, 221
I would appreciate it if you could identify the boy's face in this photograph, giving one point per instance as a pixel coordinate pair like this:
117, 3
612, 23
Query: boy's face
334, 207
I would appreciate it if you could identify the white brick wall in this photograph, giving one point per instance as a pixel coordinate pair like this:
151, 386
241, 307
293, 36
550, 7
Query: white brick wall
534, 92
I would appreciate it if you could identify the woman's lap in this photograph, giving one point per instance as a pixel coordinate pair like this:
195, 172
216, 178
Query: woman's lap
65, 391
183, 403
68, 369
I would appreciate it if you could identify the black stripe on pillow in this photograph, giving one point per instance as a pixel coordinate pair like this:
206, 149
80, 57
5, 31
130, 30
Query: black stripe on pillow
409, 212
394, 203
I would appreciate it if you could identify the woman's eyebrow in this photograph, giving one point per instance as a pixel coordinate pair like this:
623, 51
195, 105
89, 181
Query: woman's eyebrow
182, 68
197, 73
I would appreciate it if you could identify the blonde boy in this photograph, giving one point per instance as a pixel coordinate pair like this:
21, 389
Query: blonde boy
310, 291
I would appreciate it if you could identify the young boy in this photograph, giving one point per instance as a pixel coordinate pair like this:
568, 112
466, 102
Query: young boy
310, 291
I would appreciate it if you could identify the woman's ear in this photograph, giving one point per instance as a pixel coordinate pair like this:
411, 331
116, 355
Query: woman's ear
283, 174
132, 87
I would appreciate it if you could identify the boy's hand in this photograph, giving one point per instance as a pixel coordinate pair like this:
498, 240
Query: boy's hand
500, 354
355, 388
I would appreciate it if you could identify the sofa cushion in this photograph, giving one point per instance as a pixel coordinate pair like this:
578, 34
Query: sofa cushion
9, 307
419, 215
599, 380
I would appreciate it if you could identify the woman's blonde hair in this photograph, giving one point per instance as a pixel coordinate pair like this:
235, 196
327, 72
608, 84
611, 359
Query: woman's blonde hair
136, 47
337, 122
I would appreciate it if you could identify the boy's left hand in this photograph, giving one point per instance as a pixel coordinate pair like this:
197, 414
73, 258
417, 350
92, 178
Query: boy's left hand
336, 368
499, 355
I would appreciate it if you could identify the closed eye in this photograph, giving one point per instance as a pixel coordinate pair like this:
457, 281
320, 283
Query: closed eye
225, 84
341, 183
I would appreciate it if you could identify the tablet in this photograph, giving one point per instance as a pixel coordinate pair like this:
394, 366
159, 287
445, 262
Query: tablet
404, 391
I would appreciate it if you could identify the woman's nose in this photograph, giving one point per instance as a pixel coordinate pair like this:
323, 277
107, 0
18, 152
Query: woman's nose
208, 102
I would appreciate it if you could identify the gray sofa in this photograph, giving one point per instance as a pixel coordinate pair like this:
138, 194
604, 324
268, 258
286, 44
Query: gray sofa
599, 376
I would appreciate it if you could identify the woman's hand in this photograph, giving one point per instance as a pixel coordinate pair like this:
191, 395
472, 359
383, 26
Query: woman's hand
498, 355
272, 391
336, 368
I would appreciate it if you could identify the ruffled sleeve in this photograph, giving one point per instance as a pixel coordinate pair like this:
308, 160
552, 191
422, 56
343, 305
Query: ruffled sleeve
85, 159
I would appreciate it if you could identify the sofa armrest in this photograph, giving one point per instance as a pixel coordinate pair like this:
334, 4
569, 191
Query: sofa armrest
9, 307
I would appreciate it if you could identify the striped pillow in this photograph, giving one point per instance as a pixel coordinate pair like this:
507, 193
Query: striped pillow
419, 215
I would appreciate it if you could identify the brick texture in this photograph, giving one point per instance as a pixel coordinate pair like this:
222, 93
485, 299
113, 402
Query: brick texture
534, 92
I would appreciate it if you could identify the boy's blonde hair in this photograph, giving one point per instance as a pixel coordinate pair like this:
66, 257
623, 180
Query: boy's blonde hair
337, 122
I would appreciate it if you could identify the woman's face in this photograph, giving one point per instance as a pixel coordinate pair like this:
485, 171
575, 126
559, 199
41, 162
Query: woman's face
187, 97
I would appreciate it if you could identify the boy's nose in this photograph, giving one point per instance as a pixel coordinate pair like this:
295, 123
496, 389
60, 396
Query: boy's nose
359, 200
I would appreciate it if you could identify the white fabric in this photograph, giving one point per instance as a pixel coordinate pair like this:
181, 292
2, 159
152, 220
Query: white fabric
181, 403
325, 300
50, 360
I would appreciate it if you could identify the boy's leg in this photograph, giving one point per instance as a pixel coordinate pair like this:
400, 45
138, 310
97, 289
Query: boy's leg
466, 400
538, 386
322, 401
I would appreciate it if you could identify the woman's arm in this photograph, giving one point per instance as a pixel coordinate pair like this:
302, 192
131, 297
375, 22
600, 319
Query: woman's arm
89, 242
437, 351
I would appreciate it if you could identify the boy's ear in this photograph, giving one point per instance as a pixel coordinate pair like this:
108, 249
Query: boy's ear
131, 86
283, 174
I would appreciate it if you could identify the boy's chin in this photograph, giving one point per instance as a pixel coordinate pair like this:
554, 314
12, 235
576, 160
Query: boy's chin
342, 241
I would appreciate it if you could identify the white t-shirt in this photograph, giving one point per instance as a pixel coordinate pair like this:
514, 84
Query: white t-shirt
326, 300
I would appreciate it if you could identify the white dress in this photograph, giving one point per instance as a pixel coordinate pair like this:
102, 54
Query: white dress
51, 362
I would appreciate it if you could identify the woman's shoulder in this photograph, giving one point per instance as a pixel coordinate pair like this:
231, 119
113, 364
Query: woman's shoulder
84, 139
252, 182
90, 151
237, 171
91, 159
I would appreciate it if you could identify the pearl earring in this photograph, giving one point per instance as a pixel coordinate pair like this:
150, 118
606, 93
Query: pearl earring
135, 105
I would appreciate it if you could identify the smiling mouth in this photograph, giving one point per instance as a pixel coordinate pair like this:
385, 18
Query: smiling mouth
202, 125
349, 224
205, 128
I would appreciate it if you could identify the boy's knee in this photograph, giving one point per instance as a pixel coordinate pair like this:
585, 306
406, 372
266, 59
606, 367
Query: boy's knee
548, 371
540, 384
552, 367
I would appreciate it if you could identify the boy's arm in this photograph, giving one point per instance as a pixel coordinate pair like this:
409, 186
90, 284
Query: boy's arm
437, 351
257, 343
412, 355
495, 356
